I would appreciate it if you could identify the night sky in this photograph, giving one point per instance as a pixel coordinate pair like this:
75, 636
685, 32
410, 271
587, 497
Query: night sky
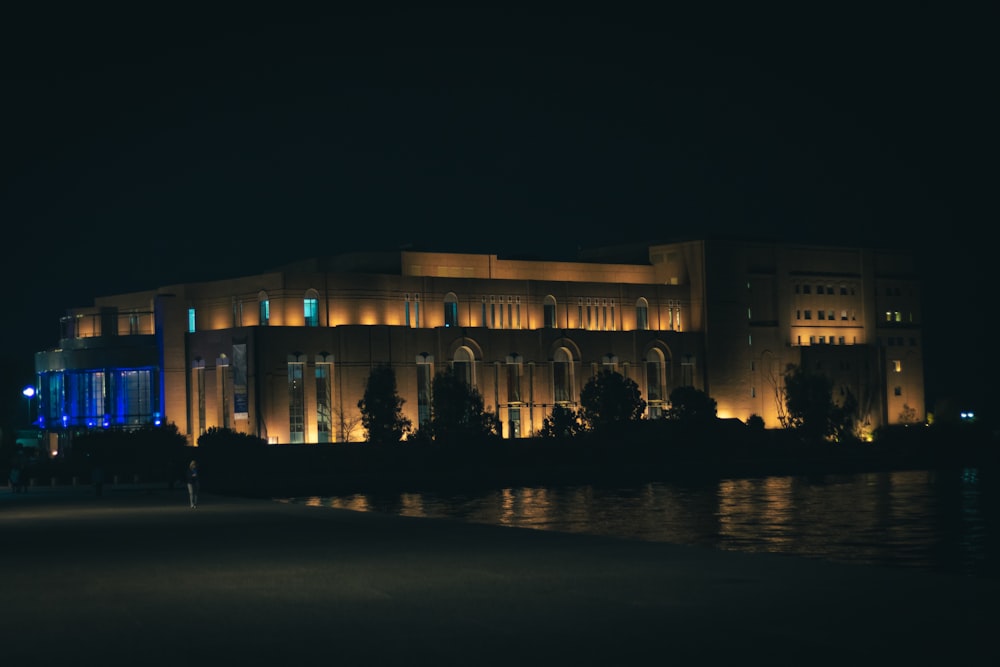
142, 149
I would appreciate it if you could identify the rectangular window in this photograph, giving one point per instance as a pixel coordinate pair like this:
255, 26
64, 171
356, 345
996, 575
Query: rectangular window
897, 391
406, 311
324, 404
224, 392
514, 423
296, 403
451, 314
199, 374
821, 314
897, 365
830, 315
265, 312
132, 397
513, 383
841, 340
191, 320
310, 308
808, 314
517, 303
85, 398
806, 289
485, 323
424, 375
843, 315
416, 311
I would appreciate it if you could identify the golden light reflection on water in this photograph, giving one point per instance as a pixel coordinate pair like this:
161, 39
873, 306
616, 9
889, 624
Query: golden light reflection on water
924, 519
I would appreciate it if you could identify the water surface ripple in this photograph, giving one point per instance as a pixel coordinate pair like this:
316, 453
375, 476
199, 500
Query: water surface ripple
937, 521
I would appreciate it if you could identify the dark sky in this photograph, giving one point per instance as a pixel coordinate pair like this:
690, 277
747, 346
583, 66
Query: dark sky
145, 148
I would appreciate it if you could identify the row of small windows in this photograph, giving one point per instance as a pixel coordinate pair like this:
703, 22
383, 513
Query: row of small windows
843, 289
503, 312
807, 288
831, 315
892, 341
827, 340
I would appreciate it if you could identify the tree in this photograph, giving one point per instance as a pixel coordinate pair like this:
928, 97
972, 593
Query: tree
608, 399
563, 422
457, 410
809, 402
347, 421
382, 408
691, 405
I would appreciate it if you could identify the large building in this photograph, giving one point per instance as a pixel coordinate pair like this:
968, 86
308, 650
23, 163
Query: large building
285, 355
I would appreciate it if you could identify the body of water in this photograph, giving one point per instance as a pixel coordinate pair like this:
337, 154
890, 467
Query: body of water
933, 520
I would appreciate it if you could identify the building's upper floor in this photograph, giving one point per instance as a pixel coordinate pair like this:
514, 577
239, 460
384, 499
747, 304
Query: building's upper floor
803, 292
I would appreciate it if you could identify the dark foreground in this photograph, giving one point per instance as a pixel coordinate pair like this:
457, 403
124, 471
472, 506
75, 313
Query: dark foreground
138, 578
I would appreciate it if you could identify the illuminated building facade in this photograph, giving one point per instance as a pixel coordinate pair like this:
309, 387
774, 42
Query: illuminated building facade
285, 355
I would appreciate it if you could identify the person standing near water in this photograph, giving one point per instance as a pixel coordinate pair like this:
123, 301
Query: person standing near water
193, 483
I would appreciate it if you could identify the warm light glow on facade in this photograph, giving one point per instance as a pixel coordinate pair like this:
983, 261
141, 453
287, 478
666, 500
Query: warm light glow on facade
560, 319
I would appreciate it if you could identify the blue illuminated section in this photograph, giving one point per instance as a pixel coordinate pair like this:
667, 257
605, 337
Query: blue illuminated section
105, 398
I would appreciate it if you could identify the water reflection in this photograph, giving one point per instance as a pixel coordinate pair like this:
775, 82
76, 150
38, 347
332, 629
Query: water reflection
943, 521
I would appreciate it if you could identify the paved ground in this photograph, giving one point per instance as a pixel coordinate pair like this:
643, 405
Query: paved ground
138, 578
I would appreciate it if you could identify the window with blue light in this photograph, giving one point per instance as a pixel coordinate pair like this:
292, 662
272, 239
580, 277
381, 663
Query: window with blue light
451, 310
310, 306
191, 320
265, 309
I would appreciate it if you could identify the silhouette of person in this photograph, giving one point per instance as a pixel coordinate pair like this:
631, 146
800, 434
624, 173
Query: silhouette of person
193, 483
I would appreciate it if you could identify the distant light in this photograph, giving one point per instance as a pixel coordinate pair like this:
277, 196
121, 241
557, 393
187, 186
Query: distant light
29, 392
968, 416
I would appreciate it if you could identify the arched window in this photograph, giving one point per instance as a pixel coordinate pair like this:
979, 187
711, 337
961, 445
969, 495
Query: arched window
450, 310
562, 376
264, 305
464, 366
642, 314
310, 308
549, 309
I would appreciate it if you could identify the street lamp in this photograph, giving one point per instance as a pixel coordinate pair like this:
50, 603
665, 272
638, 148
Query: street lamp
29, 393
